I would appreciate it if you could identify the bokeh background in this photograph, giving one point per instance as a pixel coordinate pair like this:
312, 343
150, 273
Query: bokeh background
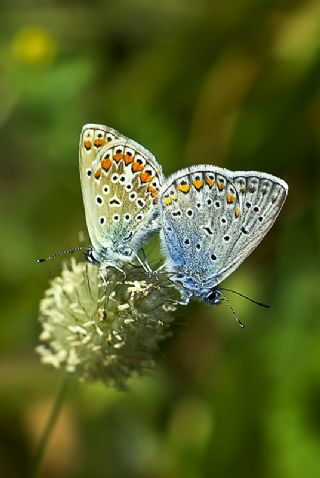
234, 83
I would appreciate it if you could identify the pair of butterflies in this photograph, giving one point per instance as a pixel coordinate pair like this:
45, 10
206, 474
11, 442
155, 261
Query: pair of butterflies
210, 219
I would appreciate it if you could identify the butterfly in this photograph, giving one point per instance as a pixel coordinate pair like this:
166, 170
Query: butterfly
120, 182
212, 219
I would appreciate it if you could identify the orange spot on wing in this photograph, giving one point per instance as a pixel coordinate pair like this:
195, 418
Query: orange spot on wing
117, 157
106, 163
220, 186
97, 174
210, 182
184, 187
98, 142
87, 144
197, 184
145, 177
153, 191
167, 200
128, 158
136, 166
230, 199
237, 212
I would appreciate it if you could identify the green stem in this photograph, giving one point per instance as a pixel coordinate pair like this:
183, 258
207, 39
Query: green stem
41, 448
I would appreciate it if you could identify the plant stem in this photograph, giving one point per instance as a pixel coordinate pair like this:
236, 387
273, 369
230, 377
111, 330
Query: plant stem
41, 448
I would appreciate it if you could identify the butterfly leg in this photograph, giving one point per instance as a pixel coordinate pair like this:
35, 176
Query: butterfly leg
143, 263
108, 265
185, 296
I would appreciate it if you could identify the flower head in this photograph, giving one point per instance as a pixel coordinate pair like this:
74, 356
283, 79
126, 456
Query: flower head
102, 325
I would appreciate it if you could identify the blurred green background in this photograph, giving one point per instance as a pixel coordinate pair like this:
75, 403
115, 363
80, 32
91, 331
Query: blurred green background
234, 83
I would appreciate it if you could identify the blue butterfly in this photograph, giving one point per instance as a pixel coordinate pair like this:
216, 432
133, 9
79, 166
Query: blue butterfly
212, 219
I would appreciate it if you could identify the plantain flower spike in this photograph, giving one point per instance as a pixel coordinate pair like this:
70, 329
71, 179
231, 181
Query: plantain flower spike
104, 325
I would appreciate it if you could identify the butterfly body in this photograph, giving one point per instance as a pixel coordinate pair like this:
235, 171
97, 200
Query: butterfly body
212, 219
120, 182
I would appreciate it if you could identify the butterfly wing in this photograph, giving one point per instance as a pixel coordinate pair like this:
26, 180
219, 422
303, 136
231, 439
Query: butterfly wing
213, 218
125, 185
93, 137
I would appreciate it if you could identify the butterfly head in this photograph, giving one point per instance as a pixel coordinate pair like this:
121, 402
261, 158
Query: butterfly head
213, 297
108, 255
90, 257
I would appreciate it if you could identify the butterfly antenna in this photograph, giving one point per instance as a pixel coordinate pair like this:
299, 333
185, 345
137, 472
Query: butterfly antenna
245, 297
232, 309
61, 253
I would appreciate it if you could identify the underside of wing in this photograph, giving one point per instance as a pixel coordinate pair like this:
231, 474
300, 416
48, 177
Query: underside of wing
126, 181
93, 137
213, 218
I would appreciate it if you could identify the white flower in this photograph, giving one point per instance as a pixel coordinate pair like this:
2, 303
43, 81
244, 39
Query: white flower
108, 329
